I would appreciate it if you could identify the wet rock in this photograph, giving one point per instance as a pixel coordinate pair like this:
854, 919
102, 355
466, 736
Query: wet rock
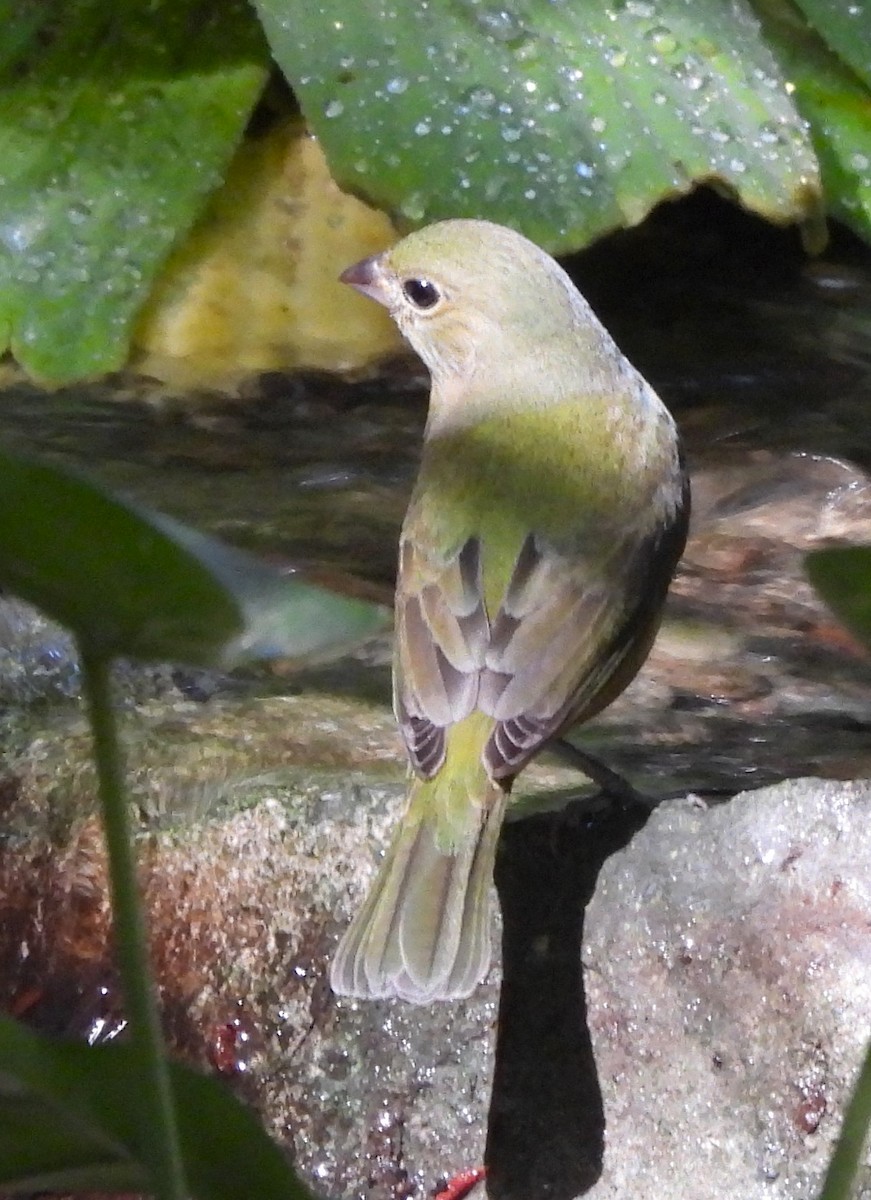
727, 970
253, 855
375, 1099
717, 1034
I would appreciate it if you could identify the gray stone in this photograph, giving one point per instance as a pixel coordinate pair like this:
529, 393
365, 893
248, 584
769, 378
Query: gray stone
728, 973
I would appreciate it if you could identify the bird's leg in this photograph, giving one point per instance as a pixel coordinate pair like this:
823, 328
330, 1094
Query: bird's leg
612, 784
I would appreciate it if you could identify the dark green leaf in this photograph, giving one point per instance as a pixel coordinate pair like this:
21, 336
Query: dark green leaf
132, 583
835, 102
67, 1121
116, 120
849, 1155
43, 1148
564, 120
843, 579
844, 24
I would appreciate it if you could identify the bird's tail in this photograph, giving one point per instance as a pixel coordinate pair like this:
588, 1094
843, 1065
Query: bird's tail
423, 932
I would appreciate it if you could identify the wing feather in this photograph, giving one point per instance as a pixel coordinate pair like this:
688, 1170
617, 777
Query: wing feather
442, 633
573, 627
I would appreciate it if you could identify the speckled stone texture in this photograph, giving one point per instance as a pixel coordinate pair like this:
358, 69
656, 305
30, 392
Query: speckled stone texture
728, 973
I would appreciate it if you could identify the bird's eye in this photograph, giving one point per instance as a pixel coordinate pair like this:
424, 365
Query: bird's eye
421, 293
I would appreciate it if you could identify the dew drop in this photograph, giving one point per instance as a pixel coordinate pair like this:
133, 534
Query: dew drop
572, 74
480, 97
414, 206
333, 108
500, 25
397, 86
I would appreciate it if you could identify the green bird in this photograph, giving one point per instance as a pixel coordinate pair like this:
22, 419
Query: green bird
543, 531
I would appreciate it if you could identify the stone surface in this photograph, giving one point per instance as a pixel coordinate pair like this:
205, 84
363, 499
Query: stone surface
709, 1045
248, 877
728, 972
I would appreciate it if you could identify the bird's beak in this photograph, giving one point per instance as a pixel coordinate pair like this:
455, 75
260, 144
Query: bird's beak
367, 277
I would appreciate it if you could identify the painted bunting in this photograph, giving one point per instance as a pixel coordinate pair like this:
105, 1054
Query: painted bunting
546, 523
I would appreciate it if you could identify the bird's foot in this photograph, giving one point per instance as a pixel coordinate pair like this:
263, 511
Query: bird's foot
614, 786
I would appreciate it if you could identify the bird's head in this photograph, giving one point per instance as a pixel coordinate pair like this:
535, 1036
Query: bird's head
468, 293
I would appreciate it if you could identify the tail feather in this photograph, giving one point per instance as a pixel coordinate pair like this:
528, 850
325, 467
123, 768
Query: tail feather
423, 932
473, 957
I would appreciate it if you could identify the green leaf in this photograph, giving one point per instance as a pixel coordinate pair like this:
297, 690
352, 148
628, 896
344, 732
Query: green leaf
564, 120
846, 28
66, 1122
833, 99
116, 121
842, 576
43, 1149
138, 584
850, 1147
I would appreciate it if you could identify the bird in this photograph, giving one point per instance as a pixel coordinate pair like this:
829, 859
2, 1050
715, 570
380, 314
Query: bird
543, 531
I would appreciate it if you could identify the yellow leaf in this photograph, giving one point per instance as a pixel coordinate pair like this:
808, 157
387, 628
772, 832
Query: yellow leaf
255, 287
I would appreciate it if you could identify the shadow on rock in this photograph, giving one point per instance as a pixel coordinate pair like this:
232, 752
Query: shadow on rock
547, 1124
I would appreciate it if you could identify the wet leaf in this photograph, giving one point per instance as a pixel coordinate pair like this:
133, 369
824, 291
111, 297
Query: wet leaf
69, 1121
138, 584
842, 576
563, 119
846, 29
115, 123
832, 98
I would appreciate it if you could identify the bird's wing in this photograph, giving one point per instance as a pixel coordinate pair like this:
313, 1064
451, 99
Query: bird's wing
571, 633
442, 635
570, 622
